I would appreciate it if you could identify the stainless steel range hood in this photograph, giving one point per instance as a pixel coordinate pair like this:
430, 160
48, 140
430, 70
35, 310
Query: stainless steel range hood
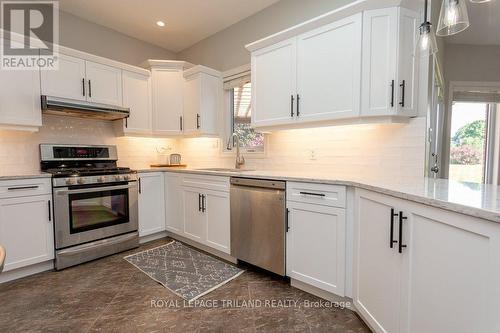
82, 109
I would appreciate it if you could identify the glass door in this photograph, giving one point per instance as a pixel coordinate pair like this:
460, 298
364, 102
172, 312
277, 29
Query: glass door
93, 210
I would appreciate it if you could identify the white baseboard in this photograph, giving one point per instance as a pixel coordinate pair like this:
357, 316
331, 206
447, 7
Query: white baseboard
152, 237
202, 247
26, 271
326, 295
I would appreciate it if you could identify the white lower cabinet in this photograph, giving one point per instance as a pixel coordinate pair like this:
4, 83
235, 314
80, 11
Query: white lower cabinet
217, 212
443, 279
26, 229
151, 203
316, 235
174, 205
194, 219
316, 246
206, 211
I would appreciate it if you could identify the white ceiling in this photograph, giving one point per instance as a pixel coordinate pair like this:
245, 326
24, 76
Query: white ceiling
187, 21
484, 25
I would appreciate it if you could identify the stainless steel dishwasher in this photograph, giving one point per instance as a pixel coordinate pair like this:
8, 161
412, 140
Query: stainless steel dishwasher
258, 222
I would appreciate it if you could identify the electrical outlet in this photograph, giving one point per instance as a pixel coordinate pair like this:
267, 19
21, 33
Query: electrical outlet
312, 155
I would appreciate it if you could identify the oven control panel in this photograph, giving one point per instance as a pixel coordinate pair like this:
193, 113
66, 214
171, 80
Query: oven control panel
87, 180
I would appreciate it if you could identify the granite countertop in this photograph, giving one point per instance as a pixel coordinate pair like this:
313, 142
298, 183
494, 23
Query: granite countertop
478, 200
24, 175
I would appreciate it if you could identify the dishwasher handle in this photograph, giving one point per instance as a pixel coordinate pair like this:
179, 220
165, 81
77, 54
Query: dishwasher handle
262, 183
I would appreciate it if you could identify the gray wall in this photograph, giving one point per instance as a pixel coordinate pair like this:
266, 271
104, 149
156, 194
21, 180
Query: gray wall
86, 36
472, 63
226, 49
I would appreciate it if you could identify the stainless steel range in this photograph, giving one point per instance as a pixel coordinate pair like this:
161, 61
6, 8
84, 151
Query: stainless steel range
95, 202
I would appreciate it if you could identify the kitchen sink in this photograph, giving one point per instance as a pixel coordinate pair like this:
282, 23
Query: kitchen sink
224, 169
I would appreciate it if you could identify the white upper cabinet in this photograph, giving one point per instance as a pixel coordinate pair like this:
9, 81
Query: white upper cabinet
328, 71
202, 100
168, 100
83, 80
337, 66
274, 84
137, 97
389, 66
69, 81
104, 84
20, 106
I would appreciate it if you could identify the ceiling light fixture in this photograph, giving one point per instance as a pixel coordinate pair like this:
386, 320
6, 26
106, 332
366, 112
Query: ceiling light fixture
160, 23
480, 1
426, 44
453, 18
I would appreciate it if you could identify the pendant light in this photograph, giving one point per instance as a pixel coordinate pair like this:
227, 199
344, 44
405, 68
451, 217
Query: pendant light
426, 43
453, 17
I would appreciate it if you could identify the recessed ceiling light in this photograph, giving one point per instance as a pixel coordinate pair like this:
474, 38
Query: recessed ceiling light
160, 23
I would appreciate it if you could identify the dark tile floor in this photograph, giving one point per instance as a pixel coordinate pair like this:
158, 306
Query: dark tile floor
110, 295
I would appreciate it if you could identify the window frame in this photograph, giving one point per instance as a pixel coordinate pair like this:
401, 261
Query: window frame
228, 119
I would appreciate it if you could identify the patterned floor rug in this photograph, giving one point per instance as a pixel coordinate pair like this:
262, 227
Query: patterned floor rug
184, 271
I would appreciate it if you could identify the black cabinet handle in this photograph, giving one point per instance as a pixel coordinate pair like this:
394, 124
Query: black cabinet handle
392, 93
291, 105
90, 89
203, 203
287, 226
314, 194
180, 122
401, 219
391, 239
140, 189
403, 86
50, 211
197, 121
83, 86
22, 188
298, 102
126, 122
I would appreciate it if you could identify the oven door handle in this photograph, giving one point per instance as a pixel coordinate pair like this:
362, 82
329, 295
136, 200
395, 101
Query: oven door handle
94, 189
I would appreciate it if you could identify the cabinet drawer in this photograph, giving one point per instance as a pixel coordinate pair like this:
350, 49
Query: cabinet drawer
326, 195
24, 187
216, 183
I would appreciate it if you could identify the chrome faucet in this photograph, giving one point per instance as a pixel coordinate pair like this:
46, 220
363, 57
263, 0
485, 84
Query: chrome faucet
240, 160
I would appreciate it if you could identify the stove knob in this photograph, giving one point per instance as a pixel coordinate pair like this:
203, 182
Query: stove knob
81, 180
118, 178
126, 177
100, 179
70, 181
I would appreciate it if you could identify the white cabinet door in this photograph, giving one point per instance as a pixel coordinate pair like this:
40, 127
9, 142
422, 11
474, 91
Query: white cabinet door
217, 214
407, 71
194, 219
151, 203
20, 99
450, 259
192, 104
377, 266
379, 77
167, 101
328, 71
274, 84
202, 93
316, 246
137, 97
174, 205
26, 230
66, 82
104, 84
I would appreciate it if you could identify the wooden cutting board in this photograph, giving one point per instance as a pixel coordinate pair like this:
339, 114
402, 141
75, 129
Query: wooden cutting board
168, 165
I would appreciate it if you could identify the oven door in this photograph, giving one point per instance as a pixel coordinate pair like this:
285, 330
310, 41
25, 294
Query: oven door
87, 213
